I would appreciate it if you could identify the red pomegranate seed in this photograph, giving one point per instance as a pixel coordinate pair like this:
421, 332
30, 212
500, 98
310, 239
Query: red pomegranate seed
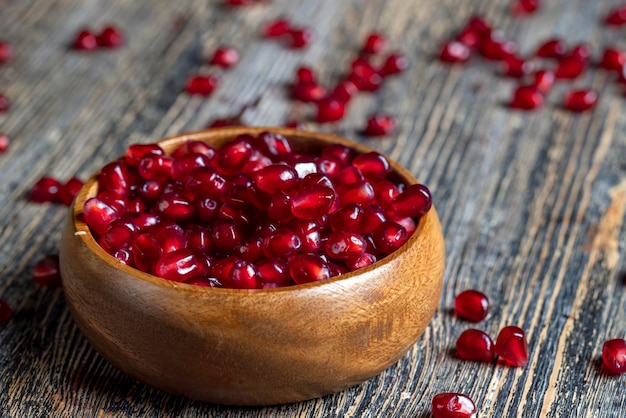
526, 98
543, 80
389, 236
454, 51
197, 147
6, 51
46, 189
616, 16
135, 152
345, 90
364, 76
179, 265
276, 178
110, 37
146, 252
475, 345
273, 271
313, 202
5, 312
4, 103
99, 214
201, 85
347, 219
614, 355
225, 57
309, 92
569, 68
250, 250
373, 216
372, 165
516, 67
359, 261
380, 125
523, 7
182, 166
276, 28
613, 59
5, 141
374, 43
226, 234
299, 38
472, 305
341, 245
174, 207
243, 275
414, 201
511, 346
310, 235
119, 234
581, 52
394, 64
330, 110
47, 272
453, 405
306, 268
85, 40
580, 100
360, 192
155, 167
468, 37
282, 243
495, 47
552, 48
69, 190
305, 75
206, 182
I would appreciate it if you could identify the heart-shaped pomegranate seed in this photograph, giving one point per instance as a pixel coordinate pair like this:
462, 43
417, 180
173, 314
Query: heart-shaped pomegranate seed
475, 345
453, 405
614, 355
511, 346
243, 275
5, 312
389, 236
225, 57
472, 305
47, 272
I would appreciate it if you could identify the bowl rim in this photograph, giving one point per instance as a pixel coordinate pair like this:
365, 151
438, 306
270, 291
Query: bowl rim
83, 232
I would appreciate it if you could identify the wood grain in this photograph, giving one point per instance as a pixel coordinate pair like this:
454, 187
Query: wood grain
531, 203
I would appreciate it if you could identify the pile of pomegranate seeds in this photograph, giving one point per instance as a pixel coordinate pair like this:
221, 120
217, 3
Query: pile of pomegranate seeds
6, 51
453, 405
5, 312
47, 272
614, 355
109, 37
5, 141
50, 190
253, 214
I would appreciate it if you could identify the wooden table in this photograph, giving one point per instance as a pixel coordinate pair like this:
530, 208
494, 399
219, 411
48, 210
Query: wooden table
532, 203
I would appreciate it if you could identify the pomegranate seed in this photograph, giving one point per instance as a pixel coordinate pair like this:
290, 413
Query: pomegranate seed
526, 98
85, 41
276, 178
306, 268
276, 28
226, 234
552, 48
522, 7
309, 234
478, 25
389, 236
182, 166
373, 216
313, 202
46, 271
179, 265
360, 192
394, 64
206, 182
495, 47
309, 92
475, 345
135, 152
153, 167
617, 16
118, 234
472, 305
511, 346
414, 201
385, 192
374, 43
543, 80
201, 85
243, 275
468, 37
273, 271
305, 75
345, 90
170, 237
347, 219
282, 243
69, 190
6, 51
580, 100
5, 141
613, 59
454, 51
250, 250
146, 252
614, 355
516, 67
372, 165
359, 261
380, 125
99, 214
174, 207
110, 37
5, 312
330, 110
299, 38
4, 103
46, 190
453, 405
194, 147
364, 76
581, 52
225, 57
341, 245
569, 68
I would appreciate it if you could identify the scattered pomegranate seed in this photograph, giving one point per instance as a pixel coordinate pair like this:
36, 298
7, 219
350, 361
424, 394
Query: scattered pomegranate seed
110, 37
69, 190
330, 110
201, 85
617, 16
4, 103
523, 7
5, 312
511, 346
453, 405
46, 189
277, 28
225, 57
496, 47
394, 64
305, 75
526, 98
309, 92
85, 40
472, 305
345, 90
6, 51
475, 345
581, 52
46, 271
553, 48
544, 80
580, 100
569, 68
469, 37
614, 355
299, 38
454, 52
613, 59
5, 141
374, 44
380, 125
516, 67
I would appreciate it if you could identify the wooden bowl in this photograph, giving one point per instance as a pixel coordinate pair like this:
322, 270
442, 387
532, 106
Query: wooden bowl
252, 347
